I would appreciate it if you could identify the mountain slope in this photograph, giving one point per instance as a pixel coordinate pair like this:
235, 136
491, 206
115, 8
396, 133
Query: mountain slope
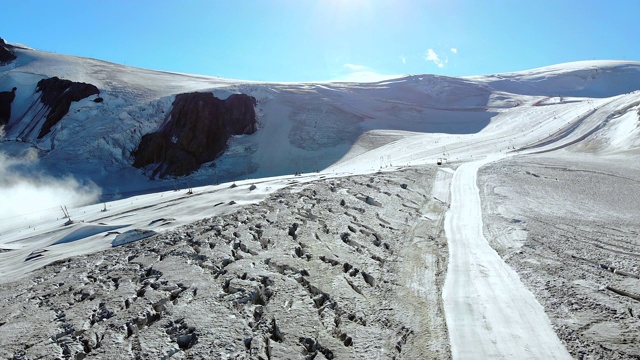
302, 127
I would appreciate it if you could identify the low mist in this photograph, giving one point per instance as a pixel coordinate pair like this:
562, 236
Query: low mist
26, 189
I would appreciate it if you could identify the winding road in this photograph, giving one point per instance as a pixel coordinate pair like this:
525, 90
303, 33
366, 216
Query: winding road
489, 312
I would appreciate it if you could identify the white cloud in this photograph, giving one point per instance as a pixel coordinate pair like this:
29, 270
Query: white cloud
361, 73
354, 67
403, 59
434, 58
454, 50
24, 189
366, 76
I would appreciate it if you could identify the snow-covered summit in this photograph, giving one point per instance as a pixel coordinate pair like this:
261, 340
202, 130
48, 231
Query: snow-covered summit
594, 78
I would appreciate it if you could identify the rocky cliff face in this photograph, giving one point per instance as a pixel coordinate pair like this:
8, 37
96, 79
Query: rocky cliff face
58, 94
6, 98
196, 131
6, 55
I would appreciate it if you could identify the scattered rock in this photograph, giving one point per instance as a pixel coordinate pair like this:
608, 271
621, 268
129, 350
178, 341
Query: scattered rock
371, 201
276, 334
377, 241
292, 231
368, 279
247, 342
187, 341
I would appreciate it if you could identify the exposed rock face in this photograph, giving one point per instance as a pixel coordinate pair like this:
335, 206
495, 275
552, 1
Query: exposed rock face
241, 115
6, 98
6, 55
196, 132
58, 94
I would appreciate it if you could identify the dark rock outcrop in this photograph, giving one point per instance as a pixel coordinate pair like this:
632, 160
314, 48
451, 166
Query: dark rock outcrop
6, 98
58, 94
196, 131
6, 54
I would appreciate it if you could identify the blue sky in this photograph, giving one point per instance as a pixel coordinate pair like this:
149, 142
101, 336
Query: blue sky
317, 40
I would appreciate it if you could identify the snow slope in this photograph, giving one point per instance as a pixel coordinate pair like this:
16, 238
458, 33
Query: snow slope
321, 130
303, 127
597, 79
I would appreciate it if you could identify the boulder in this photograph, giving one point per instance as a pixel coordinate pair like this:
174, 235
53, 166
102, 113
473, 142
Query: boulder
196, 131
6, 98
6, 53
57, 95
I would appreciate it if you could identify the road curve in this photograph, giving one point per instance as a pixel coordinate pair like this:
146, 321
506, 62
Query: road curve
489, 312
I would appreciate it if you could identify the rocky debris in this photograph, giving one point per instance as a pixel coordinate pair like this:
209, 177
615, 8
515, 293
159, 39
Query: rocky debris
58, 94
6, 53
213, 287
6, 98
185, 336
101, 314
369, 279
195, 132
312, 348
292, 231
371, 201
377, 239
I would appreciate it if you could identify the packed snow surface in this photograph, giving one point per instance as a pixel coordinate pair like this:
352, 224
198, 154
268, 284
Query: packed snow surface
490, 314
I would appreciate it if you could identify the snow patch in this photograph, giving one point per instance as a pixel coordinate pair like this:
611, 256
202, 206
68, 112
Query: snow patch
130, 236
84, 231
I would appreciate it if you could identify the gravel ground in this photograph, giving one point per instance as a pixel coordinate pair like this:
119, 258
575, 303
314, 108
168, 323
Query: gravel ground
339, 268
570, 227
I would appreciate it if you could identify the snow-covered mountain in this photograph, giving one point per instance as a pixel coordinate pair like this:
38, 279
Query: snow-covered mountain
301, 127
259, 176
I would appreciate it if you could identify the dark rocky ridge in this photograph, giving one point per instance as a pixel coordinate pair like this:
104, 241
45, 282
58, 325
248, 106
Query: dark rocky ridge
6, 55
58, 94
6, 98
196, 131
